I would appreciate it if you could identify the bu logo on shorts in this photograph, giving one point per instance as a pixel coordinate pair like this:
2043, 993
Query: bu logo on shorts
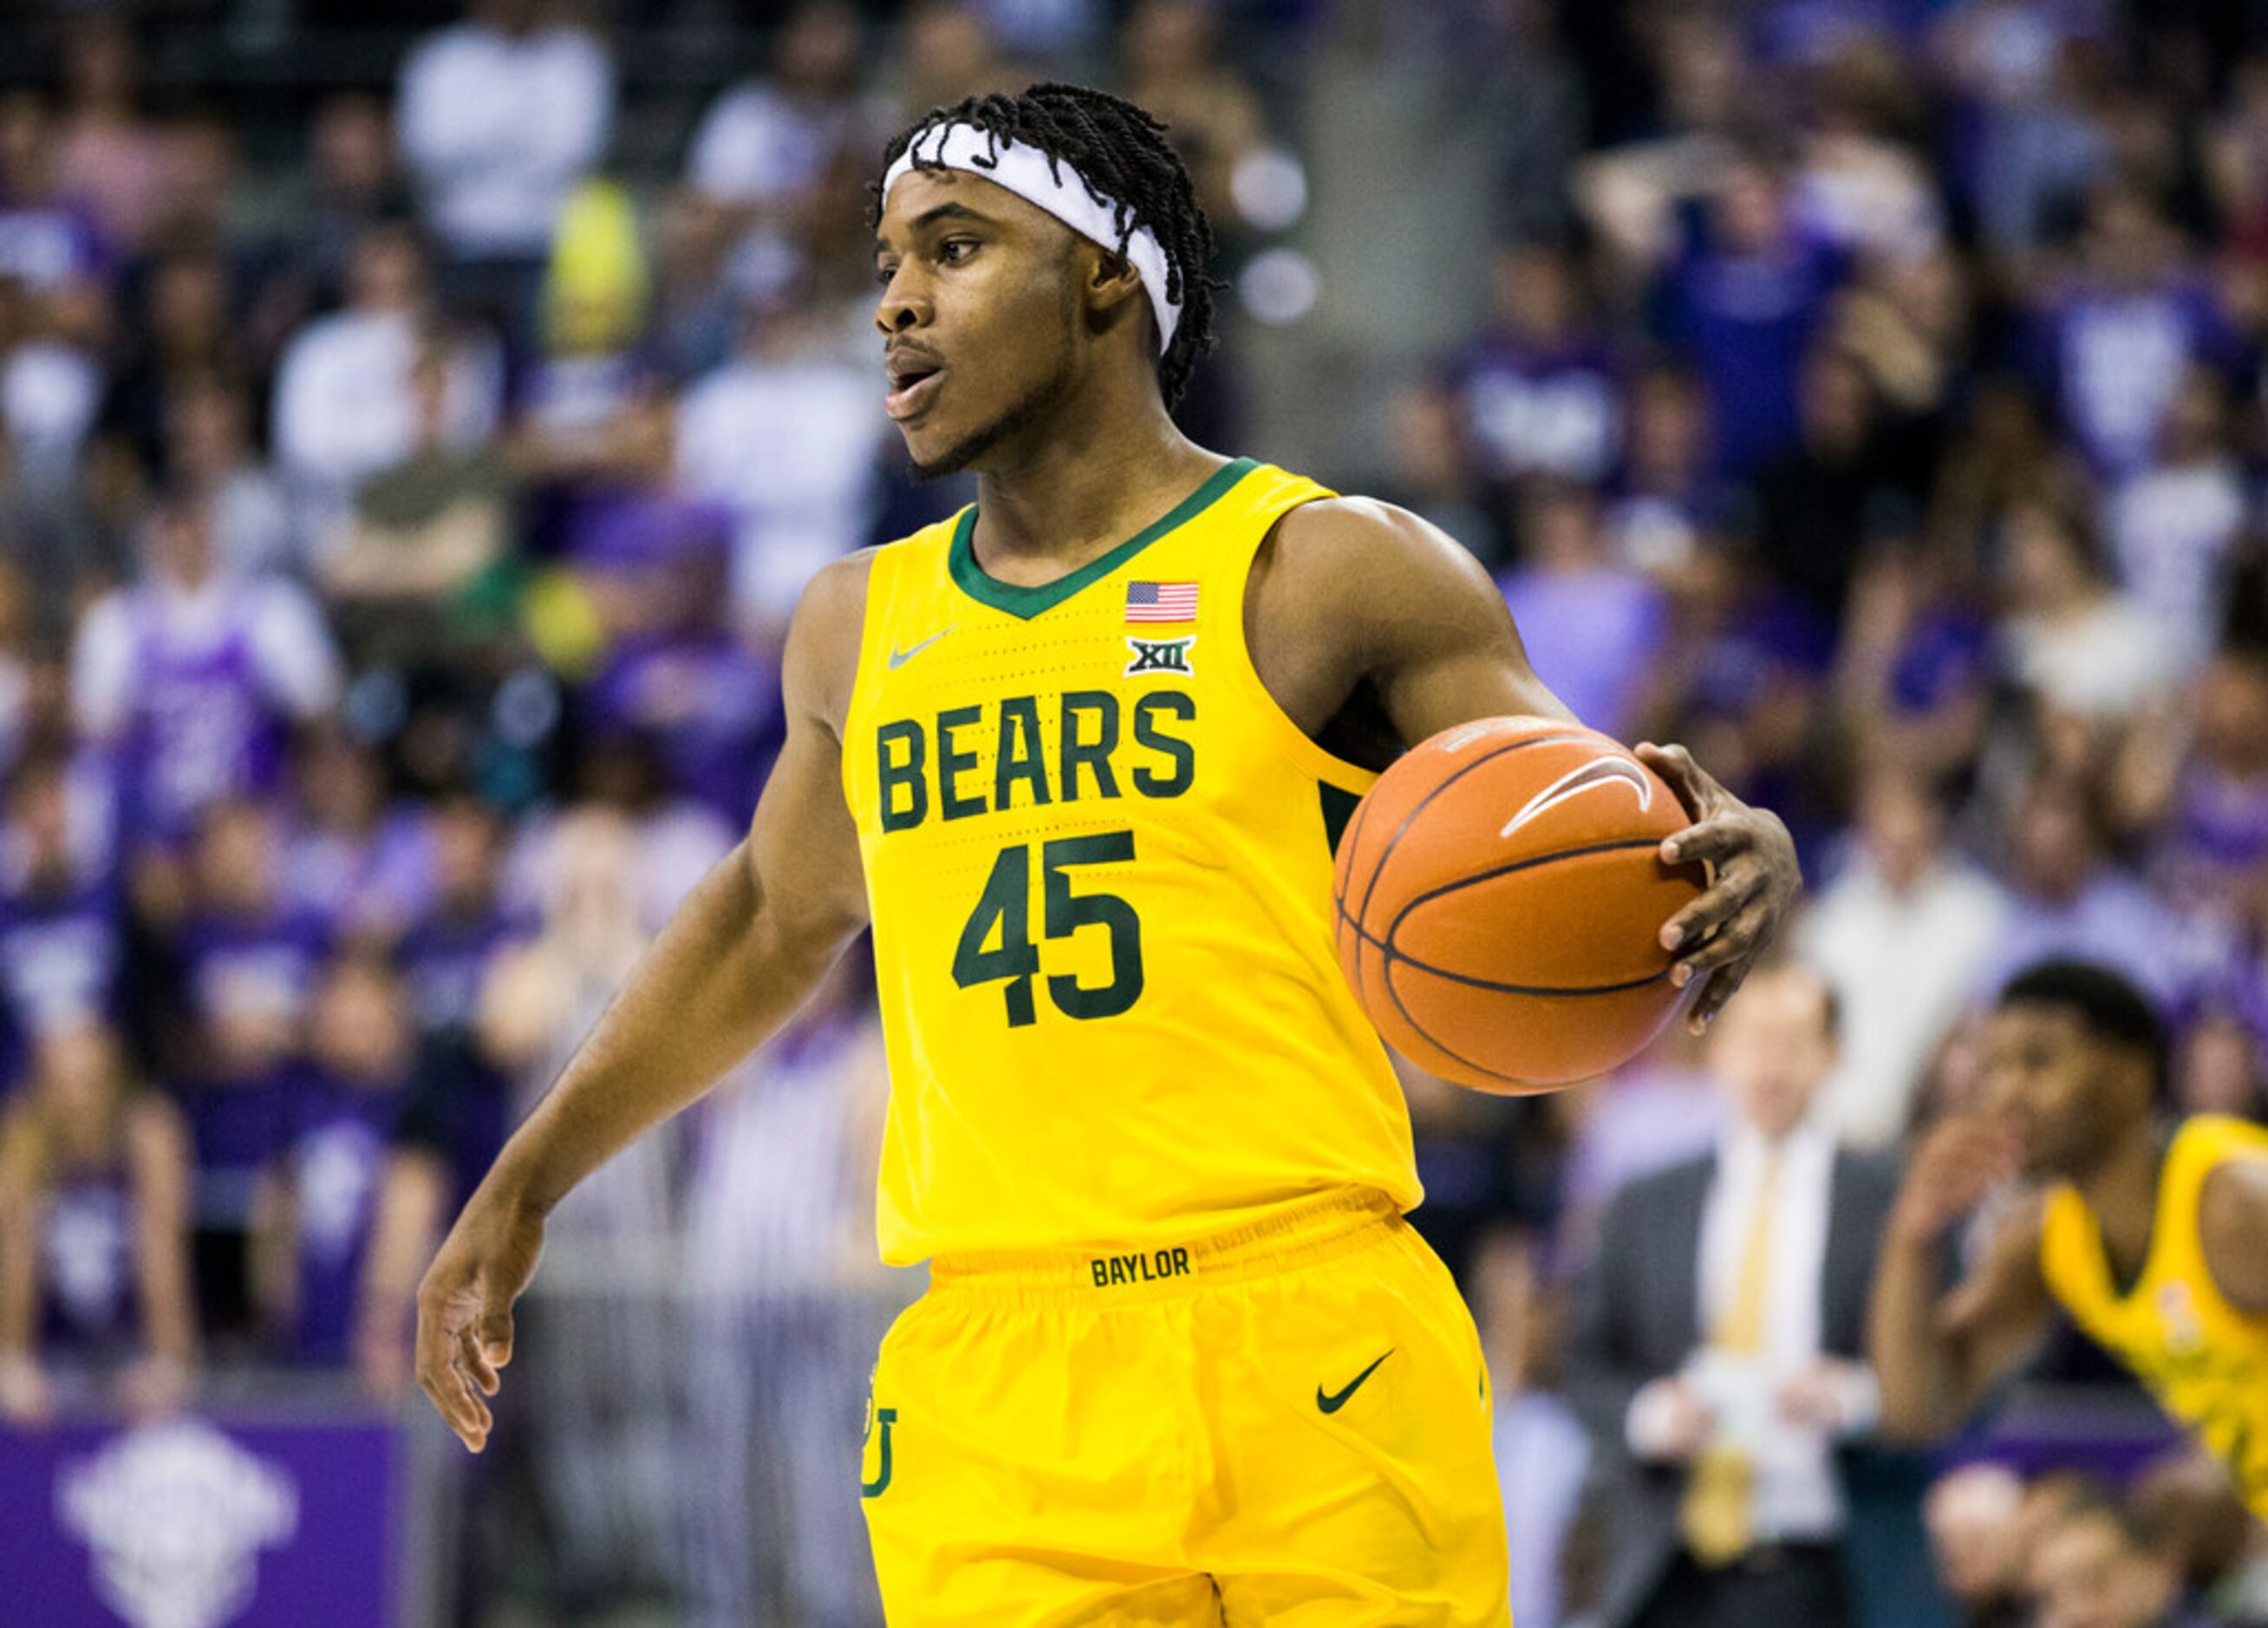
880, 1418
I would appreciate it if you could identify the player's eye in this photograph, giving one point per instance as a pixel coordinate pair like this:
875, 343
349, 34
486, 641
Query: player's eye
945, 251
883, 273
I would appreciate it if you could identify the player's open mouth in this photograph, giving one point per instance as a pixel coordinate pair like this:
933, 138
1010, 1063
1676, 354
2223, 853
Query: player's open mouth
912, 384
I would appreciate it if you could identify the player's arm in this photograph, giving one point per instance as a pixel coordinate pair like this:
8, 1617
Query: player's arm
1419, 622
1937, 1352
733, 965
2232, 1221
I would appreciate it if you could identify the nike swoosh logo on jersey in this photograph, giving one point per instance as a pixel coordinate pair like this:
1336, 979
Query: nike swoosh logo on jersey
1332, 1404
899, 658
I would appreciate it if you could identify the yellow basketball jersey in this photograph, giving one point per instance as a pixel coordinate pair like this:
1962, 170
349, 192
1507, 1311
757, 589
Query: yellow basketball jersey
1097, 857
2206, 1362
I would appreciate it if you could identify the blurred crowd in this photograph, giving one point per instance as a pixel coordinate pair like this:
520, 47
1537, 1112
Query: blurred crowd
399, 521
2171, 1549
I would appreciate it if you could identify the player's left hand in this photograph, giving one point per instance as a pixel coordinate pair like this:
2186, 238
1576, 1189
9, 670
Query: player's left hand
1755, 880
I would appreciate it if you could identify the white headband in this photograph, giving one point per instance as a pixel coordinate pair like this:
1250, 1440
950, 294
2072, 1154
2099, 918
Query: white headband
1027, 172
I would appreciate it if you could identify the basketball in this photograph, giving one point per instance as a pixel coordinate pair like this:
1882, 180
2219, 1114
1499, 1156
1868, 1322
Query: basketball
1500, 896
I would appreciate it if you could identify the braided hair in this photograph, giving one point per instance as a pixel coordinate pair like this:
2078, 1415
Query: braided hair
1121, 154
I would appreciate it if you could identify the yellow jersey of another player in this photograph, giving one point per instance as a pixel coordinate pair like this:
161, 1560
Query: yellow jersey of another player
2206, 1362
1098, 855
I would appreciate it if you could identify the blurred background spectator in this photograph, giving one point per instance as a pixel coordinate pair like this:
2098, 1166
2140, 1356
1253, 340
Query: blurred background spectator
1716, 1357
416, 425
94, 1263
498, 116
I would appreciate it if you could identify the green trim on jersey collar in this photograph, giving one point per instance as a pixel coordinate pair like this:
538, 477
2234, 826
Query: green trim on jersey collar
1027, 602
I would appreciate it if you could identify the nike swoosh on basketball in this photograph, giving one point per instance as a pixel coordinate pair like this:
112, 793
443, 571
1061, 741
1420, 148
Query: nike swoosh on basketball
1333, 1403
899, 658
1599, 771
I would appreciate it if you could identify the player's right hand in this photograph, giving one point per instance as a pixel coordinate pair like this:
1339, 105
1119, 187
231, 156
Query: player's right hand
464, 1310
1961, 1159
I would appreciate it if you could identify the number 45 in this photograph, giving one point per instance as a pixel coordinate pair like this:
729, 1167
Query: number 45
1007, 900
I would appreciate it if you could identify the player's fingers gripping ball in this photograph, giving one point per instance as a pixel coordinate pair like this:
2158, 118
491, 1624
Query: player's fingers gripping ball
1500, 894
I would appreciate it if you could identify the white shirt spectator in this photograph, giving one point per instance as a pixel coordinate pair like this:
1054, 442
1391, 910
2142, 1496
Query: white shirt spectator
251, 522
2173, 529
678, 842
1798, 1495
1905, 966
1865, 193
496, 128
345, 411
48, 394
791, 446
291, 647
2107, 662
759, 148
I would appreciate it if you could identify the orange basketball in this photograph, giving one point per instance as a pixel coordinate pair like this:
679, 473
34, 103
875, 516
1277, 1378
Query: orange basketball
1501, 895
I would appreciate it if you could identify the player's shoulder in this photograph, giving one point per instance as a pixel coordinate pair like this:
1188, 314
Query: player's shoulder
2233, 1198
819, 665
1369, 553
1349, 521
2232, 1218
840, 583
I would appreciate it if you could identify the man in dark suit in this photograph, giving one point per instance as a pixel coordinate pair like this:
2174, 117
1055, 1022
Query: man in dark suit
1716, 1353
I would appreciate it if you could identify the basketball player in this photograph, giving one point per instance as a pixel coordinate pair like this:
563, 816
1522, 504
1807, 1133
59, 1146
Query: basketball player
1078, 754
2151, 1241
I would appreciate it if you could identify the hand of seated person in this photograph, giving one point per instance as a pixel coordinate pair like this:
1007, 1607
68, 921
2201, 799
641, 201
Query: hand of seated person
1668, 1421
26, 1399
1831, 1394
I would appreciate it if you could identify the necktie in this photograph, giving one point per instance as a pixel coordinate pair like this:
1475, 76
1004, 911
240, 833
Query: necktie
1717, 1518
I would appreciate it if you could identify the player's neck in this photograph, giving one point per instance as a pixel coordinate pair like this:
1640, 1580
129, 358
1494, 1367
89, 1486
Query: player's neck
1078, 488
2121, 1191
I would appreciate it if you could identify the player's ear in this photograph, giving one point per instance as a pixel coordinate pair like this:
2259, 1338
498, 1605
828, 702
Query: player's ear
1111, 287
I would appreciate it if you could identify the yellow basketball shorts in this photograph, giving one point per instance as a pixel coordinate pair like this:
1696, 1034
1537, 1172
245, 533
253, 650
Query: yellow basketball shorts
1287, 1425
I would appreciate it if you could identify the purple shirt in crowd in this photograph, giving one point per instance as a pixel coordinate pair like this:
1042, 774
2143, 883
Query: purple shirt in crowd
1747, 320
90, 1294
60, 957
2112, 362
444, 957
203, 726
1591, 636
377, 880
339, 1141
1532, 409
711, 707
2115, 920
264, 964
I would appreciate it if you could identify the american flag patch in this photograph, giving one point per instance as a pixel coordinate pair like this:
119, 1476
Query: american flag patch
1161, 602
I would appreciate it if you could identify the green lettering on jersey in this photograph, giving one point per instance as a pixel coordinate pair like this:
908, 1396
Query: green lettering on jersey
1095, 756
952, 763
1021, 757
1165, 702
907, 775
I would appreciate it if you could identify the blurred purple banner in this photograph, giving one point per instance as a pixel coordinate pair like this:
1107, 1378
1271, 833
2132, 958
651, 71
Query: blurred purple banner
197, 1523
